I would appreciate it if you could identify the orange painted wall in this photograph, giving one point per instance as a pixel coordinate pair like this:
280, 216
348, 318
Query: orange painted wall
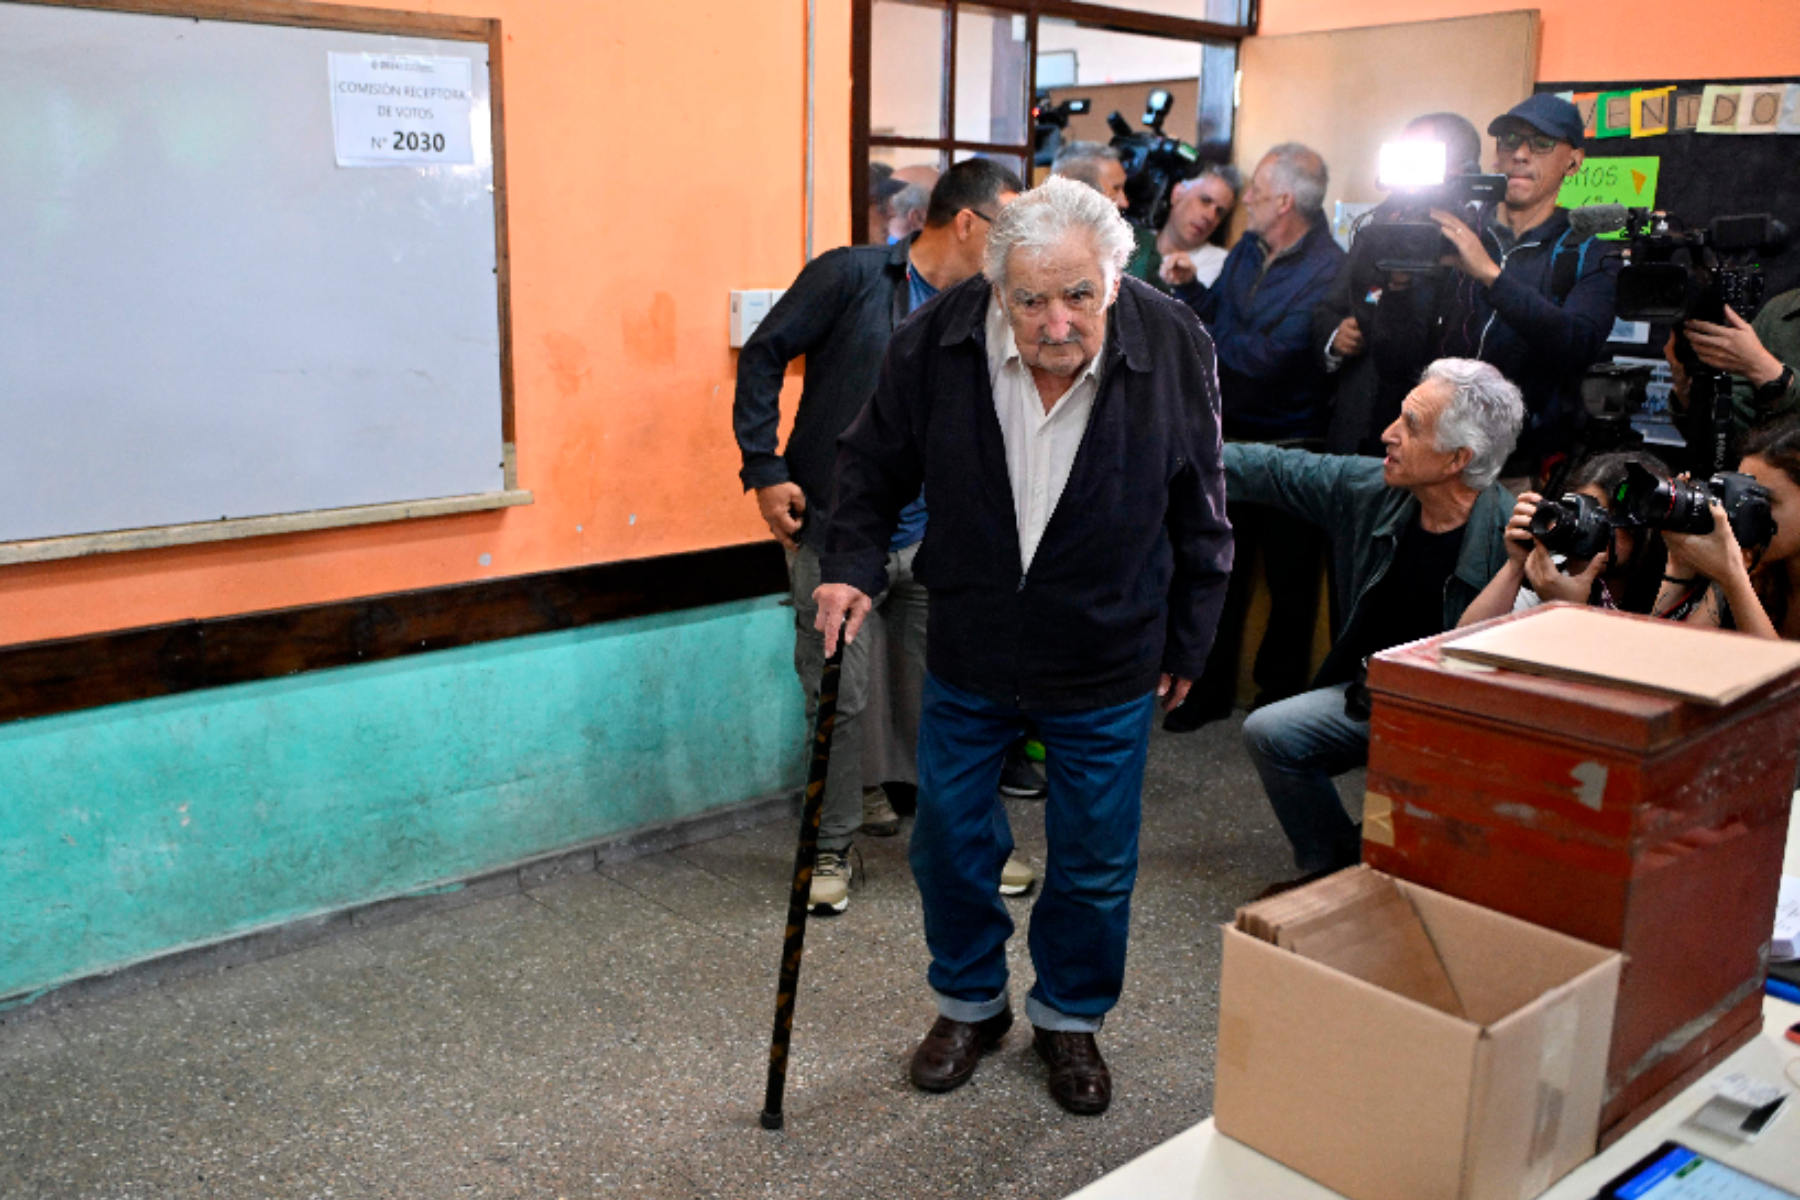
655, 160
1599, 39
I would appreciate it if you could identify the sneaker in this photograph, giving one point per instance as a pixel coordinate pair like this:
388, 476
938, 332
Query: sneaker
1016, 877
879, 817
831, 882
1019, 779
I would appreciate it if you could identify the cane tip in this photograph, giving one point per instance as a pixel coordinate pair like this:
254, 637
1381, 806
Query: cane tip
771, 1120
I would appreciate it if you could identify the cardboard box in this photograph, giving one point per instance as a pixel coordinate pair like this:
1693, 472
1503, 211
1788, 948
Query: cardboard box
1382, 1097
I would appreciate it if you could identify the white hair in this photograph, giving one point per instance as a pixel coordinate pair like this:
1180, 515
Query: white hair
1484, 416
1047, 215
1081, 161
1301, 173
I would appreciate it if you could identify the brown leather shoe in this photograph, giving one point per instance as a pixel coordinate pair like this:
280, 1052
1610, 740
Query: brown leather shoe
1079, 1080
952, 1049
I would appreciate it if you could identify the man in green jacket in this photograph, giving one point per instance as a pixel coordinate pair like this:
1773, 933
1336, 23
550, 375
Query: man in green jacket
1414, 538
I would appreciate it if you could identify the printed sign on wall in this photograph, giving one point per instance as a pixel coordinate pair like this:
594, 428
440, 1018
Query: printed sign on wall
402, 110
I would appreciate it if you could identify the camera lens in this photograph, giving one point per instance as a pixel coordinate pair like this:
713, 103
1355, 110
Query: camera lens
1674, 504
1576, 526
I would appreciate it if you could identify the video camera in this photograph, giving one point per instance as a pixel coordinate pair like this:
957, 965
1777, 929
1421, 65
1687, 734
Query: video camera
1683, 506
1154, 162
1402, 234
1611, 394
1674, 274
1049, 123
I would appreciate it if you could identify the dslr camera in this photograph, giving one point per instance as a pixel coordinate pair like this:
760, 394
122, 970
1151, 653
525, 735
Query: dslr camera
1576, 526
1154, 162
1416, 175
1684, 506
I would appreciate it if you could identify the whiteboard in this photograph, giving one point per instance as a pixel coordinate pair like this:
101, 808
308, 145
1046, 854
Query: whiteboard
202, 316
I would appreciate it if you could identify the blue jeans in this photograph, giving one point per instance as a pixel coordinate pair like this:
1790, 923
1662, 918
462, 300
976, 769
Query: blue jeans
1298, 745
1094, 761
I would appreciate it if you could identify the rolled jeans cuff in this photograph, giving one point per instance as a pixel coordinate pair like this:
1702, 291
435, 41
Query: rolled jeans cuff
969, 1012
1045, 1017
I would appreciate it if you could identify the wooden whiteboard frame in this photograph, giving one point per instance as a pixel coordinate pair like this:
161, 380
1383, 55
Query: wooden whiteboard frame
305, 15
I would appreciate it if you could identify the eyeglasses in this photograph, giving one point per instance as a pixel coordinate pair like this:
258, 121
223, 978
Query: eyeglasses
980, 214
1541, 143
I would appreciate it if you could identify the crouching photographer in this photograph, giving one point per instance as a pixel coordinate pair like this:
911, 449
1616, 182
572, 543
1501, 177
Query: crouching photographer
1577, 548
1734, 541
1415, 537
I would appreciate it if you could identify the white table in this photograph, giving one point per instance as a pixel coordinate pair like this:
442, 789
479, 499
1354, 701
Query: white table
1203, 1164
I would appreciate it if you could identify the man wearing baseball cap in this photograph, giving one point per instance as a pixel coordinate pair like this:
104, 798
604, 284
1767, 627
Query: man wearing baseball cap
1535, 299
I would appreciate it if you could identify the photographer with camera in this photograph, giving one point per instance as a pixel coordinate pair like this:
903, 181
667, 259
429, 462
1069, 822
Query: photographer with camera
1182, 251
1534, 297
1760, 354
1415, 538
1576, 549
1374, 331
1734, 542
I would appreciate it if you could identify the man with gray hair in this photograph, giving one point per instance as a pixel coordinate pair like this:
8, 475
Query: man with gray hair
1071, 590
1274, 389
1097, 165
1415, 537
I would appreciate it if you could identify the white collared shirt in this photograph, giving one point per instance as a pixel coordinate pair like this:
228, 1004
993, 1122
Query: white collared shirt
1040, 446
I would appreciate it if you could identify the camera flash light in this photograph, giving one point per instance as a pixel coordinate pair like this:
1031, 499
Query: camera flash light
1411, 165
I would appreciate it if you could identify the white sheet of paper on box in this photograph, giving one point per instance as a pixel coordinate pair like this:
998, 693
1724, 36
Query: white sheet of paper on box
1787, 921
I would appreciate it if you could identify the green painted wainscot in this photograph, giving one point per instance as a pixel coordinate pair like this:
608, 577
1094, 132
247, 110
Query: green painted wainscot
131, 831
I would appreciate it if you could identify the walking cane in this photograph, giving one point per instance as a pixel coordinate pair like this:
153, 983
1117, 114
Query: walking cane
795, 941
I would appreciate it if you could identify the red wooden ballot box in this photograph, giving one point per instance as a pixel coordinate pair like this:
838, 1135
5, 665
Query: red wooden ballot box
1634, 821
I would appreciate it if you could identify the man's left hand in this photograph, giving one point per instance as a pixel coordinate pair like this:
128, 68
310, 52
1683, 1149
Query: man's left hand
1170, 692
1471, 256
1734, 347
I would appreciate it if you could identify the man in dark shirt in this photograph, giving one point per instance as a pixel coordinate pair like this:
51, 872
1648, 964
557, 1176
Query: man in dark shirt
840, 313
1531, 296
1415, 537
1371, 336
1273, 389
1064, 424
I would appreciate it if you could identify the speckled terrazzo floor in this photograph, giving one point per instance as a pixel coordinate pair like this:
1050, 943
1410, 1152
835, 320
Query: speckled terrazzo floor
606, 1034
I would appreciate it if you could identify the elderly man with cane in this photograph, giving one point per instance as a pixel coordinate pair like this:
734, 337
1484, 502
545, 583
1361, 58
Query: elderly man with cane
1063, 421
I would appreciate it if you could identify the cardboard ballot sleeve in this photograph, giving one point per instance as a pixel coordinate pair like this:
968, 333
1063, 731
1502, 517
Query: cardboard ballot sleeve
1384, 1097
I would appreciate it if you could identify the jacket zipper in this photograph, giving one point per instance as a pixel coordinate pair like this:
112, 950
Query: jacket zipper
1505, 255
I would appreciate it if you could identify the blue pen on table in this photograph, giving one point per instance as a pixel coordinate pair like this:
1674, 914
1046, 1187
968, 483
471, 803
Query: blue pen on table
1782, 991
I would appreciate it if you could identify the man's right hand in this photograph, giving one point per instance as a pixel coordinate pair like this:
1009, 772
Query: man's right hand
783, 505
1177, 269
1348, 341
840, 607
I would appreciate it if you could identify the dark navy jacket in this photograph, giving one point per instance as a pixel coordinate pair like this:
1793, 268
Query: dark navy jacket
1270, 379
1130, 575
839, 313
1542, 346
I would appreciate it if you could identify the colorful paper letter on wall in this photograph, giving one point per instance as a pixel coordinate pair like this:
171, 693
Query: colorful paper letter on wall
1650, 111
1613, 118
1719, 108
1760, 109
1586, 103
1687, 112
1790, 111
